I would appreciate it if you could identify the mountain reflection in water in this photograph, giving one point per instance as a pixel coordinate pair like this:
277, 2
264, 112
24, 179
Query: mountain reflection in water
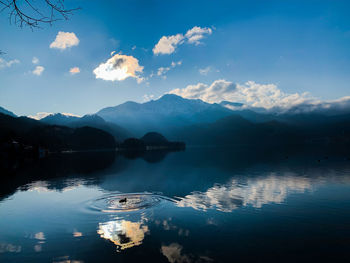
200, 205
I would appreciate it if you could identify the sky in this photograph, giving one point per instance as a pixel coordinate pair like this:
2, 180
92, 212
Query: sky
263, 53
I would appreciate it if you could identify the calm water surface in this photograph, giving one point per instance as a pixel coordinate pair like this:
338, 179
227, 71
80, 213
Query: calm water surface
201, 205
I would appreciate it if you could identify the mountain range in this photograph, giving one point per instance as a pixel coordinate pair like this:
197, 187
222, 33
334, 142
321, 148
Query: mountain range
197, 122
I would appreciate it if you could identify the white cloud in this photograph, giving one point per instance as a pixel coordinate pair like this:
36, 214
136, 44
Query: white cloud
163, 70
38, 70
197, 33
7, 64
119, 67
35, 60
74, 70
204, 71
148, 97
168, 44
65, 40
251, 93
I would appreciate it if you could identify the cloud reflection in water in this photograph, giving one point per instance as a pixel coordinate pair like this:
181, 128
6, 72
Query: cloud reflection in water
124, 234
253, 191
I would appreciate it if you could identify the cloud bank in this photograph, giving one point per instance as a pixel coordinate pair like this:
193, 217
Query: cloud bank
263, 97
64, 40
168, 44
118, 68
252, 94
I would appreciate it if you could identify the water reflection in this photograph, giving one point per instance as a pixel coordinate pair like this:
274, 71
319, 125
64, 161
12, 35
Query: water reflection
174, 254
11, 248
248, 191
66, 259
123, 233
58, 213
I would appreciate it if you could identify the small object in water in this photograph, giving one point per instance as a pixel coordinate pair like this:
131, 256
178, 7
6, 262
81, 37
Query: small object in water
319, 160
122, 200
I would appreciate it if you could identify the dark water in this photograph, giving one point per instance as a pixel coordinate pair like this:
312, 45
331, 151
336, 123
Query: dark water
201, 205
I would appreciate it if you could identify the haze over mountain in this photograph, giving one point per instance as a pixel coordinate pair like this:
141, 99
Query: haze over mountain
172, 111
197, 122
93, 120
163, 114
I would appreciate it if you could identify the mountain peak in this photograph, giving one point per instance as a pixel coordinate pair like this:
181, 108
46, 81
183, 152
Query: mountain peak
171, 97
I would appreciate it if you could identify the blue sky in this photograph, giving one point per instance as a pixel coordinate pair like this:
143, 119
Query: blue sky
295, 46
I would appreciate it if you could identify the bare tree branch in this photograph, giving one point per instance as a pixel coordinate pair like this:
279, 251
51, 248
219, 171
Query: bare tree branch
26, 13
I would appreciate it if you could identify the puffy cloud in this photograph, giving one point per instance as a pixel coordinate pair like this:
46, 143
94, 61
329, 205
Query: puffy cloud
65, 40
219, 90
197, 33
163, 70
119, 67
74, 70
168, 44
252, 94
38, 70
7, 64
35, 60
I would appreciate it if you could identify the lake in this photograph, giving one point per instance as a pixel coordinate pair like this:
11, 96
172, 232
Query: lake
199, 205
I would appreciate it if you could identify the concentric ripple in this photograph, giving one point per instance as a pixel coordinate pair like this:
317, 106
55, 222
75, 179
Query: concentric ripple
126, 202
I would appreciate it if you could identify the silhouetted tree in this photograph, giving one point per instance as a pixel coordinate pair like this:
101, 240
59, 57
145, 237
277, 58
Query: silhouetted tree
28, 13
35, 13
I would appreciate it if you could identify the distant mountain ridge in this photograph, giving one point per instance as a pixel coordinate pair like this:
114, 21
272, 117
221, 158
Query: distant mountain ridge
197, 122
93, 120
30, 132
7, 112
